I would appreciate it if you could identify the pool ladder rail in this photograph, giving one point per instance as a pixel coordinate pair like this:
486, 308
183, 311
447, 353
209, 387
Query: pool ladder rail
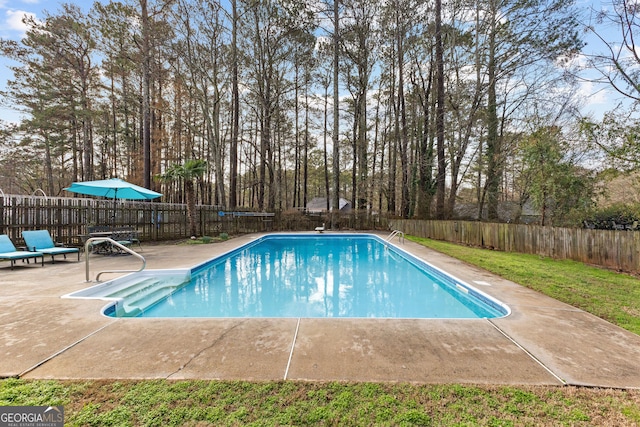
87, 250
395, 233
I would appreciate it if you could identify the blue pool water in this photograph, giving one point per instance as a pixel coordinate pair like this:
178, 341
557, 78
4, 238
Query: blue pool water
338, 276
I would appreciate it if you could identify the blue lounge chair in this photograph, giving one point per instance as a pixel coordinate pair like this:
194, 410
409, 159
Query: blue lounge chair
41, 241
9, 251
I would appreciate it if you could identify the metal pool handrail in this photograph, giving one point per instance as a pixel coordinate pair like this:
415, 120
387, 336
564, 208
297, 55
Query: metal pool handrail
113, 242
395, 233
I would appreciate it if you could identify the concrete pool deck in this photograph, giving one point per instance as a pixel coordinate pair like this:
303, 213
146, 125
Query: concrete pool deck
542, 342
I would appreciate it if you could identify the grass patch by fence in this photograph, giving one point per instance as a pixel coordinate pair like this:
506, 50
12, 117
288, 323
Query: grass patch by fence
612, 296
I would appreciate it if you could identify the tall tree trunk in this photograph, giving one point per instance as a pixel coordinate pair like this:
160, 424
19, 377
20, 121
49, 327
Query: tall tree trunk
372, 186
297, 169
354, 157
363, 172
218, 155
393, 144
235, 111
146, 94
327, 187
425, 155
401, 123
114, 125
191, 207
48, 162
362, 142
336, 114
493, 143
441, 177
262, 172
305, 175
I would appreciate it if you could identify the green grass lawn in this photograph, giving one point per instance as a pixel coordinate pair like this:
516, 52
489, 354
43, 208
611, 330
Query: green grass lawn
612, 296
241, 403
609, 295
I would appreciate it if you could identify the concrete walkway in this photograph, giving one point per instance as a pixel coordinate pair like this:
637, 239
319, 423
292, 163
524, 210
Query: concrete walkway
542, 342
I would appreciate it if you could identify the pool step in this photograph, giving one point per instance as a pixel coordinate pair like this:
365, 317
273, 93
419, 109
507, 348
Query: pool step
141, 295
129, 288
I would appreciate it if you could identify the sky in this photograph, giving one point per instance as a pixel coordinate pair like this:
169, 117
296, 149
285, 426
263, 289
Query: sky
597, 99
12, 28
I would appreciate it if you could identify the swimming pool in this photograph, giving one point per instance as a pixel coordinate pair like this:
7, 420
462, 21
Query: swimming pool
301, 275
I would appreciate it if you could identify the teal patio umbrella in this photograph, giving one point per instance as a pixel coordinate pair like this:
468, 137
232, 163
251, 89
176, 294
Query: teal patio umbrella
113, 188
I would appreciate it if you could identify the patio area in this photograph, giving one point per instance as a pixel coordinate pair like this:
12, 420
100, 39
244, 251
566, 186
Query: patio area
542, 342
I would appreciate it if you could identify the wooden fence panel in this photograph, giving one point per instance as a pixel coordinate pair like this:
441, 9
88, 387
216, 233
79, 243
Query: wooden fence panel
612, 249
67, 218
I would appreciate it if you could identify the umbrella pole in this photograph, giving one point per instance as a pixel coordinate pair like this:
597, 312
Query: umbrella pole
115, 208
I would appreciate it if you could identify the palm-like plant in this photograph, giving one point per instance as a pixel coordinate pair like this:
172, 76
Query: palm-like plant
188, 173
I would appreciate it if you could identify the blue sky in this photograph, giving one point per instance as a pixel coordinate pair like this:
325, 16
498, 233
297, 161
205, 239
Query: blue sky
11, 27
597, 99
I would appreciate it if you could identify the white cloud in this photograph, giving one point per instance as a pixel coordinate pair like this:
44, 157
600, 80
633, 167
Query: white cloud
592, 93
14, 22
597, 98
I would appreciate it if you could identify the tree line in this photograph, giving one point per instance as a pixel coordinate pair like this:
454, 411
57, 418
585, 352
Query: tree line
399, 106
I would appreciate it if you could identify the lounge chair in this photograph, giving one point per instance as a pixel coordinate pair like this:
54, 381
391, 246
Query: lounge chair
9, 251
41, 241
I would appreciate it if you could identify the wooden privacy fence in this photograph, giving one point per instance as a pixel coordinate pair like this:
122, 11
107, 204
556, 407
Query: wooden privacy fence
67, 218
607, 248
